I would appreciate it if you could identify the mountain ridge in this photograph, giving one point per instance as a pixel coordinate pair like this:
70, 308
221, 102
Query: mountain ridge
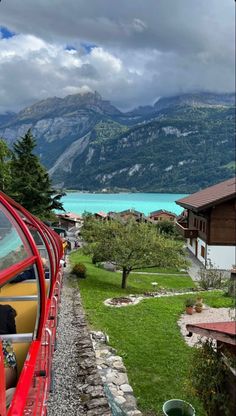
86, 142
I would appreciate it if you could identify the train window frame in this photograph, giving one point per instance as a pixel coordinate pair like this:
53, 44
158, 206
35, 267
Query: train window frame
18, 213
15, 226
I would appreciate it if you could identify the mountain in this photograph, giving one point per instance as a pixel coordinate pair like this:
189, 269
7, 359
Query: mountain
203, 99
180, 144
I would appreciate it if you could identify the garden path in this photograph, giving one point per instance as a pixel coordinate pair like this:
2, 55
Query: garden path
207, 315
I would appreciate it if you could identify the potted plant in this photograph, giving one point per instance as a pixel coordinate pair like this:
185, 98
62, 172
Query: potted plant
199, 299
198, 307
189, 304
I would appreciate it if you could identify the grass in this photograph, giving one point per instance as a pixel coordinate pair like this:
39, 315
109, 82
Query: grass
146, 335
161, 270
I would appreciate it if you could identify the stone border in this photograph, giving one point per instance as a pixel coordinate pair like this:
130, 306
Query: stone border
113, 374
152, 295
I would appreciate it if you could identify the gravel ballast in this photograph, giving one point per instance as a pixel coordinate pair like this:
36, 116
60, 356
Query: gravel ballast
78, 388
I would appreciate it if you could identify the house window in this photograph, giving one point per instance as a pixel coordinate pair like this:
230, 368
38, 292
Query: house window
195, 223
191, 242
203, 251
200, 225
204, 227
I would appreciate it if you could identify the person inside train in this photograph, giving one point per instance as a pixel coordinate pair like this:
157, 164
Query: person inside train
29, 273
7, 327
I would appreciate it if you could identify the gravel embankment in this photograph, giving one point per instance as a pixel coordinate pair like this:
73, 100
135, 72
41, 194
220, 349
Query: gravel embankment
78, 388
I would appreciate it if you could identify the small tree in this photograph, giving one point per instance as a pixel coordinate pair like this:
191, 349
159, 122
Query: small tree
210, 278
31, 185
130, 246
168, 228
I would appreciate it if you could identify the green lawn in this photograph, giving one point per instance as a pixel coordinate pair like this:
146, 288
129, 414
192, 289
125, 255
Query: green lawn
161, 270
146, 335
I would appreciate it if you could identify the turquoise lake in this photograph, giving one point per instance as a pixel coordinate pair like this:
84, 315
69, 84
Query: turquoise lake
79, 202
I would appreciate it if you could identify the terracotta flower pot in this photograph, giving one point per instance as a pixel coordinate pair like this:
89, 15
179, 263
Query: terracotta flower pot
189, 310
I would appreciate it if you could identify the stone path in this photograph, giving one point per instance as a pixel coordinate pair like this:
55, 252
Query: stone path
207, 315
195, 266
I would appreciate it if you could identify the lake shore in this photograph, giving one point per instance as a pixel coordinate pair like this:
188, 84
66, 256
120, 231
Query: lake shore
80, 202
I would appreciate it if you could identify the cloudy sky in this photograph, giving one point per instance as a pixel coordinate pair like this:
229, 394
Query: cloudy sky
130, 51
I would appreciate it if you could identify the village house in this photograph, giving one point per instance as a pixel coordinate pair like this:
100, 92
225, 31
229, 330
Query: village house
100, 215
210, 226
69, 220
162, 215
133, 214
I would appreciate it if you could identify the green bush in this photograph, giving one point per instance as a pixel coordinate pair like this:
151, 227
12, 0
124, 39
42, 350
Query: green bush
210, 278
79, 270
209, 374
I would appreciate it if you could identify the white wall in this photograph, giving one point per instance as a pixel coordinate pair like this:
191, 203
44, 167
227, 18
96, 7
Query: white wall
192, 248
222, 257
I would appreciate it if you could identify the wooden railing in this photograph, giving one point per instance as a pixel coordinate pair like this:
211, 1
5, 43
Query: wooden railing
185, 231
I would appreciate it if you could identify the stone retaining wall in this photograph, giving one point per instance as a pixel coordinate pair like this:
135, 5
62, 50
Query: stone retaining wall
113, 373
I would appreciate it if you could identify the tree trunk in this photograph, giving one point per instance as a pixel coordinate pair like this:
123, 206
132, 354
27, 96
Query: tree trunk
125, 274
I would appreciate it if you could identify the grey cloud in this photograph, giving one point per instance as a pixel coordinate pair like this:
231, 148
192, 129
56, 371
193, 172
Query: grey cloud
165, 47
88, 71
168, 25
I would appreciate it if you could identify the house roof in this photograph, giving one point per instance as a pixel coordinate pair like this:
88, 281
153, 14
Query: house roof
162, 211
70, 216
221, 331
101, 214
131, 211
208, 197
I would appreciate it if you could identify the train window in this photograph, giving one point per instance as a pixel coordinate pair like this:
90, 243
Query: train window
13, 244
22, 293
52, 250
43, 254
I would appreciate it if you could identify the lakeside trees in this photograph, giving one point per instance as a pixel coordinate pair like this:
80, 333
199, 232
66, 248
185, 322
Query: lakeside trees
130, 246
25, 179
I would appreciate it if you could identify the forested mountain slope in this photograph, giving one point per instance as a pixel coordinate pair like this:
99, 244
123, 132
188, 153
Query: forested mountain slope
180, 144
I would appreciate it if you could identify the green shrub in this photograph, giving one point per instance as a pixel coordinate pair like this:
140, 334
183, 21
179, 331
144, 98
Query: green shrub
189, 302
210, 278
79, 270
209, 374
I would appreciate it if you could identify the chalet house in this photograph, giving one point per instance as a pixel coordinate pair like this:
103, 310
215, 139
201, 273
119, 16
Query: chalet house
69, 220
162, 215
100, 215
133, 214
210, 226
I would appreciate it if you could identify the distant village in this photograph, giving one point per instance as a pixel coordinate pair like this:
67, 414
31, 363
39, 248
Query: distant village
208, 223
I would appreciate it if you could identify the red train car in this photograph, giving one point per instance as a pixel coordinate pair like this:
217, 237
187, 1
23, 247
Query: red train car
30, 282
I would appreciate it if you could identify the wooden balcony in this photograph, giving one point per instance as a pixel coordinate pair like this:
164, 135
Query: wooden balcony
186, 232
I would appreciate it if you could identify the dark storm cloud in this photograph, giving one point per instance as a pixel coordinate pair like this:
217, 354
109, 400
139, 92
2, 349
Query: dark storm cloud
167, 25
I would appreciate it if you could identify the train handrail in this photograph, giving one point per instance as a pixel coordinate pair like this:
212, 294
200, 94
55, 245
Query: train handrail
18, 338
33, 281
18, 298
